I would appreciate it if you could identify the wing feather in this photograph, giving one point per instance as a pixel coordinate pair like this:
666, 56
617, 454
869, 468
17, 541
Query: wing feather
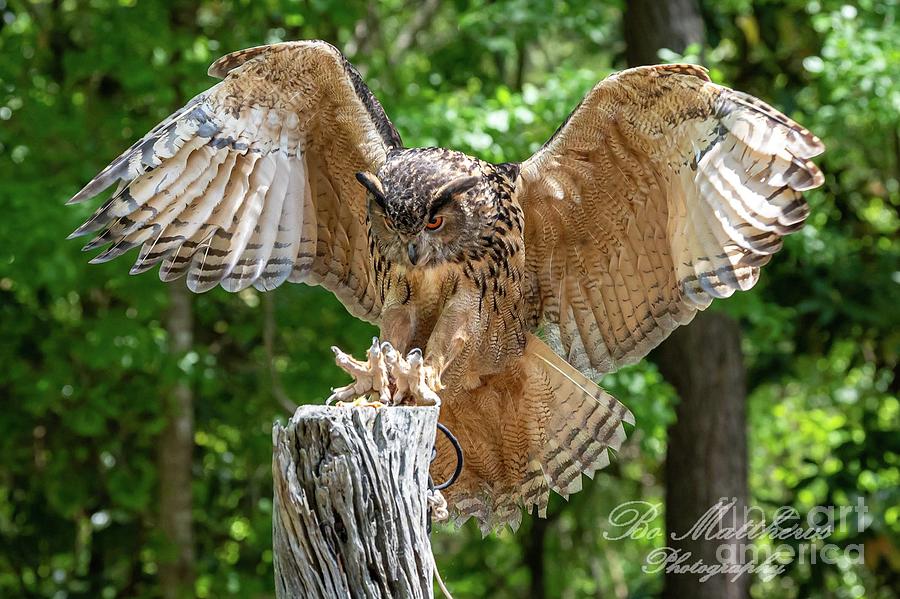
168, 238
277, 267
246, 223
196, 222
252, 181
661, 192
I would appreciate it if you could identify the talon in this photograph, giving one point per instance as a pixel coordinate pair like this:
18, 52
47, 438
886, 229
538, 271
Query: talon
398, 397
431, 398
389, 352
340, 394
414, 358
381, 380
349, 364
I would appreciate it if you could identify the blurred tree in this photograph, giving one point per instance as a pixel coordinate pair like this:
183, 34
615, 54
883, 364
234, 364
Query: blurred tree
176, 449
651, 25
706, 459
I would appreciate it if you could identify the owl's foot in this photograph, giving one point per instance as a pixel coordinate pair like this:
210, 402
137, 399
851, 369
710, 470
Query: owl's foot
416, 382
395, 380
370, 378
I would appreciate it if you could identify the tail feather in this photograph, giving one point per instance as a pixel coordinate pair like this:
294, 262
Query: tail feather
587, 421
528, 431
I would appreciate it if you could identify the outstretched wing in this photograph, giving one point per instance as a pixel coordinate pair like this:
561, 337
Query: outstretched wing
252, 182
661, 192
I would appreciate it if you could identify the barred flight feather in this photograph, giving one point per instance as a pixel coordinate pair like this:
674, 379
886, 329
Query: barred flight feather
556, 425
221, 190
672, 191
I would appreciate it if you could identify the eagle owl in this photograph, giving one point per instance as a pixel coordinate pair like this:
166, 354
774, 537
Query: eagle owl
495, 286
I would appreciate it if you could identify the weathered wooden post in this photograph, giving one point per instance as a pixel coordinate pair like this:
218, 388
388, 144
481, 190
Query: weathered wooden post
351, 503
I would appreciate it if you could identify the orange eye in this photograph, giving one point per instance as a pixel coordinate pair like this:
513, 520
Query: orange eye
436, 223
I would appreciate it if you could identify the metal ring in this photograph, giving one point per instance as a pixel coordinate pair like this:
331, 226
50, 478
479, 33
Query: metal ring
459, 457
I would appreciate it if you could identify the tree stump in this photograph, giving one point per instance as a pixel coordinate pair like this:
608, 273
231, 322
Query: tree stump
350, 516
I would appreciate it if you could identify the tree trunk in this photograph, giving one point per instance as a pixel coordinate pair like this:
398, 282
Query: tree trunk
176, 446
651, 25
533, 557
350, 516
706, 458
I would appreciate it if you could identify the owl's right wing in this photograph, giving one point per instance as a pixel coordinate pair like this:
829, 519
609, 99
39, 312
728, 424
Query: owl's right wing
253, 181
660, 192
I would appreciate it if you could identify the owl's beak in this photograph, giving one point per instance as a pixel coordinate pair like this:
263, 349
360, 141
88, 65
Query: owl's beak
412, 251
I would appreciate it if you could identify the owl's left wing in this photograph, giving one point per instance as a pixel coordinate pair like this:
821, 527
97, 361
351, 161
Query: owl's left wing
661, 192
253, 181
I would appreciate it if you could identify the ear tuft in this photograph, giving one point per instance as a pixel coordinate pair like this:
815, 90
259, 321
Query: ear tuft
509, 170
457, 186
371, 182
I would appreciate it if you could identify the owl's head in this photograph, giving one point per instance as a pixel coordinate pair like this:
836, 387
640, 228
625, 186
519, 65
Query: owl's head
430, 206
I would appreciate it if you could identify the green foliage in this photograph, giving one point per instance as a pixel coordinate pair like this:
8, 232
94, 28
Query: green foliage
84, 351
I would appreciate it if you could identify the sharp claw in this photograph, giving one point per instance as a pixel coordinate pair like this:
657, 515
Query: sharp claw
397, 399
431, 397
340, 394
384, 396
391, 357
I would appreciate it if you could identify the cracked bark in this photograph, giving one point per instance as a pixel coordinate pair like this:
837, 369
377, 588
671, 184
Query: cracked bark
350, 503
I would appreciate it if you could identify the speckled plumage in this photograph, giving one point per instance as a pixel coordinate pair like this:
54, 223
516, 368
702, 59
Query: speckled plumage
659, 193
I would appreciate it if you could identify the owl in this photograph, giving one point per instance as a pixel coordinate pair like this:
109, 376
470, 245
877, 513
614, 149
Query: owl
500, 290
